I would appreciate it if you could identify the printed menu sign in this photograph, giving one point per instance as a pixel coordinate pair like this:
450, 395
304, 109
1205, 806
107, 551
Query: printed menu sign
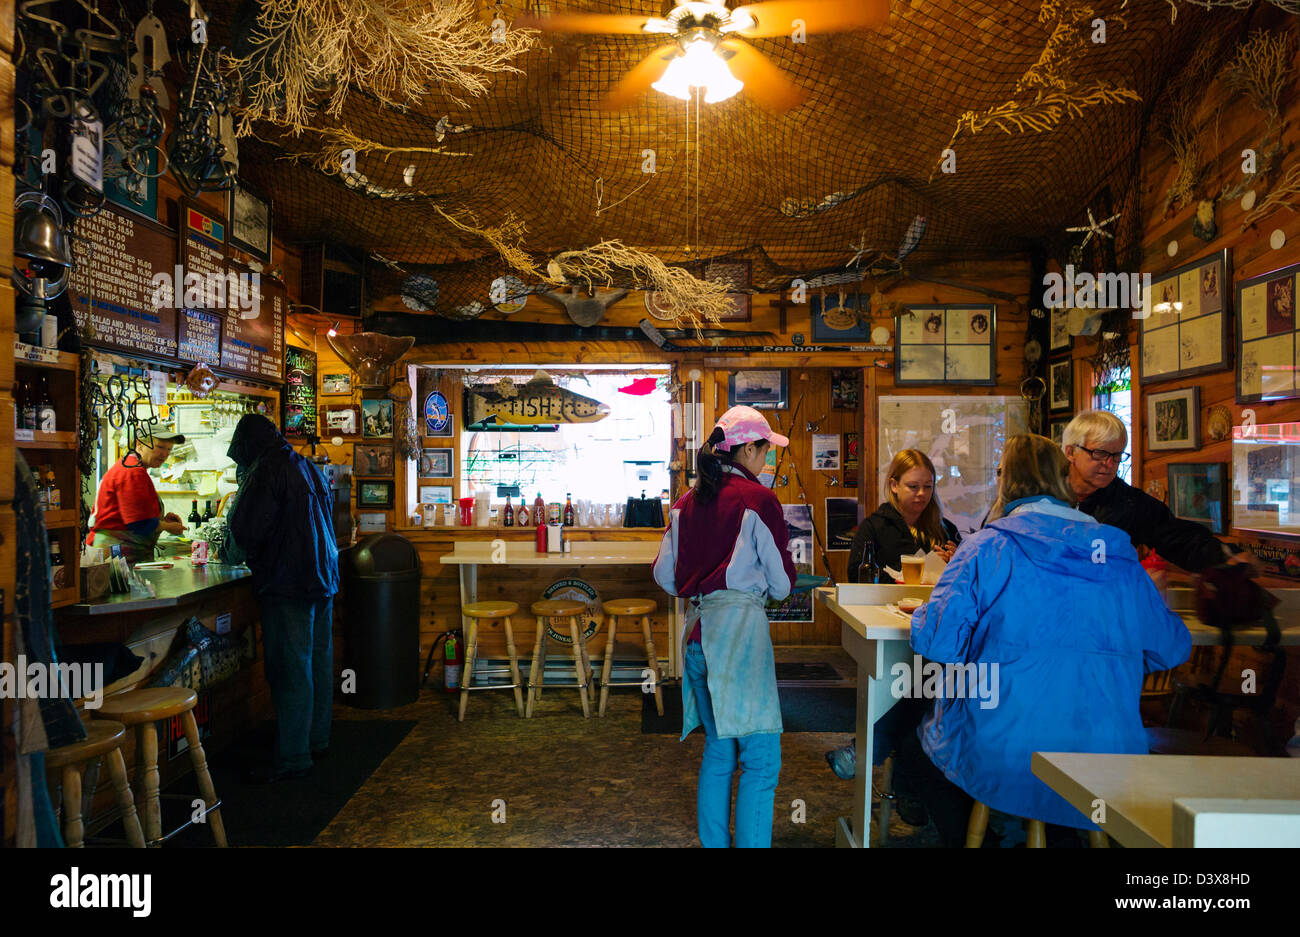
254, 347
202, 247
299, 392
112, 289
198, 336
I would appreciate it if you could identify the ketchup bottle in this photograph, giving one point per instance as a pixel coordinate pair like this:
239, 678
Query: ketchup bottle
541, 538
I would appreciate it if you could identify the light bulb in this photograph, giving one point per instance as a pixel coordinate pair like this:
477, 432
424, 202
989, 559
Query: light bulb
333, 330
698, 66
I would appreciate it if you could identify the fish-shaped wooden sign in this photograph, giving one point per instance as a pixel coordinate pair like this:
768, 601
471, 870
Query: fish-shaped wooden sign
541, 400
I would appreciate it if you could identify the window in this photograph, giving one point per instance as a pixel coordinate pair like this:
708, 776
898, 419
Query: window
1116, 395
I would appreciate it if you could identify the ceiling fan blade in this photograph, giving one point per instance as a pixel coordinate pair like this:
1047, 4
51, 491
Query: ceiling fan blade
591, 23
776, 17
764, 82
636, 82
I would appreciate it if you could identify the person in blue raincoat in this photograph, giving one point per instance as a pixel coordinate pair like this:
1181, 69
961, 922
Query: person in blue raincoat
726, 550
1061, 622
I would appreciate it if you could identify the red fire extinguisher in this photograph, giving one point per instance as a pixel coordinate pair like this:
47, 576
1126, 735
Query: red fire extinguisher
451, 662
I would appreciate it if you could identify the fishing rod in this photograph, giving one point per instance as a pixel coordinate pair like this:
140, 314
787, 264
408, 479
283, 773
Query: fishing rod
812, 510
664, 343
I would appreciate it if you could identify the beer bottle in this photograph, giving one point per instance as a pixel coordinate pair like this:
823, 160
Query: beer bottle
45, 419
568, 510
870, 571
508, 518
29, 407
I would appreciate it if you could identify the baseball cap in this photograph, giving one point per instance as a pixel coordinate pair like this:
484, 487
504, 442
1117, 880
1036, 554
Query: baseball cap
163, 436
745, 424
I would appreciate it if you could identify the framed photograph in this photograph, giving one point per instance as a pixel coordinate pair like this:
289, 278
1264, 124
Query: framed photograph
838, 317
250, 221
372, 459
1198, 491
1266, 494
845, 384
762, 390
377, 418
1060, 337
435, 494
437, 415
1185, 331
341, 420
1060, 385
372, 494
435, 463
1174, 420
945, 345
336, 384
1057, 429
1266, 337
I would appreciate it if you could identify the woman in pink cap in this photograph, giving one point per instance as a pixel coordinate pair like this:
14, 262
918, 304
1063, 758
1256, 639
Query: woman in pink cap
726, 550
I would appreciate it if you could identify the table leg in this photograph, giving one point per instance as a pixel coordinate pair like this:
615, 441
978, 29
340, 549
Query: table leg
875, 662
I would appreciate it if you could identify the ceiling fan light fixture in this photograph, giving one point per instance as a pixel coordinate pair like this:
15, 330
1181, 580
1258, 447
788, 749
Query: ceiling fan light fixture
699, 66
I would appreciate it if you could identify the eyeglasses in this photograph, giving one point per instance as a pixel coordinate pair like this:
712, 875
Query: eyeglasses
1101, 455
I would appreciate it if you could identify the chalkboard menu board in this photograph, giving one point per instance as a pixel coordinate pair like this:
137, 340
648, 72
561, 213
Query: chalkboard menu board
198, 336
112, 289
299, 392
255, 347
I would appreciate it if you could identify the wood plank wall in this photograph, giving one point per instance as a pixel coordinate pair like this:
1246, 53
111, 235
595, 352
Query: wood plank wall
8, 554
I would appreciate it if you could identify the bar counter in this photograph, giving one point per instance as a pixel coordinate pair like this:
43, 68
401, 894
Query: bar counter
181, 584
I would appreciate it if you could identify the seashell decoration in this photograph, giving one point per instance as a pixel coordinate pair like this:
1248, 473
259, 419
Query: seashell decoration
1156, 488
1219, 425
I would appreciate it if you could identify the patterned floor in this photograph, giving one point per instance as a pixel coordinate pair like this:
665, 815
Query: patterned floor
561, 780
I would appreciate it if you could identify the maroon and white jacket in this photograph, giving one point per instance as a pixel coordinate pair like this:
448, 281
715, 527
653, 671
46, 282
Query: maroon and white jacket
738, 541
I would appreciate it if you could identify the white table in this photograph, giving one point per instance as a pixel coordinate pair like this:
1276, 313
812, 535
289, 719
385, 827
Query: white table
877, 638
1142, 794
470, 554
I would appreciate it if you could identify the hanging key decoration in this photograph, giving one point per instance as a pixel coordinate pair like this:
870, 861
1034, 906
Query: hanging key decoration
1033, 389
150, 57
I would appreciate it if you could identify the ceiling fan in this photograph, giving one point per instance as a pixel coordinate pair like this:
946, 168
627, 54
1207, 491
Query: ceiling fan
707, 50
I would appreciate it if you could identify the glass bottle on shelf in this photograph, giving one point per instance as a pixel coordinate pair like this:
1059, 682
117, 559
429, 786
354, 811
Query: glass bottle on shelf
568, 509
45, 418
29, 407
870, 571
207, 511
195, 518
521, 513
539, 511
508, 515
42, 496
53, 496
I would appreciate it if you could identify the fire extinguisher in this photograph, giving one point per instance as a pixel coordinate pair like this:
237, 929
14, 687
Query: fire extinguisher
451, 662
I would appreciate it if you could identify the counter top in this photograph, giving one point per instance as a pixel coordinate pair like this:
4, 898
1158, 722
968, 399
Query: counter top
585, 553
174, 586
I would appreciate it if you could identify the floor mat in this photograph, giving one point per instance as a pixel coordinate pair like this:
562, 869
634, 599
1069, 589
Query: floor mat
803, 709
814, 672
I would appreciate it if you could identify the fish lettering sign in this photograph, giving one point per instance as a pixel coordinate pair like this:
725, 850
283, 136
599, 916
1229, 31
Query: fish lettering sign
539, 401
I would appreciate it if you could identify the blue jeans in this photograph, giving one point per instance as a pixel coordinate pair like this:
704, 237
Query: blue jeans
759, 760
299, 638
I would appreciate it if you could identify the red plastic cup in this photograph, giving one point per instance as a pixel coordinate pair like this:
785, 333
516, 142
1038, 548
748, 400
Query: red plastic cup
466, 512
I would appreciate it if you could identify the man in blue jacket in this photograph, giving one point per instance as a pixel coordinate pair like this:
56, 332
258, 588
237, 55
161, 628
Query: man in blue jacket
281, 522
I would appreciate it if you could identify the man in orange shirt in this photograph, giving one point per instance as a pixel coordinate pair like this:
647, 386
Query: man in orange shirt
128, 511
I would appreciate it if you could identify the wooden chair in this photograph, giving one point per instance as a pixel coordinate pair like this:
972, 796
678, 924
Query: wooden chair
548, 610
1035, 831
489, 612
630, 608
142, 709
104, 739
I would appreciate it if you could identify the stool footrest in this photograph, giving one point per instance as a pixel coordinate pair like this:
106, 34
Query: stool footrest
188, 823
492, 686
653, 683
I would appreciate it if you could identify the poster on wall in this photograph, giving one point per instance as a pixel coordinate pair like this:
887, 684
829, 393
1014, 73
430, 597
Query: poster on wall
841, 523
852, 451
826, 451
299, 392
1266, 336
797, 606
1186, 331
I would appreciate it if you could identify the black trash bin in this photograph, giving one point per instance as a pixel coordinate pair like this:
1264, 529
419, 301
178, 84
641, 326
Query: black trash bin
381, 630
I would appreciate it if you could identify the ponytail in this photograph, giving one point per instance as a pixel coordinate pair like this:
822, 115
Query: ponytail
709, 475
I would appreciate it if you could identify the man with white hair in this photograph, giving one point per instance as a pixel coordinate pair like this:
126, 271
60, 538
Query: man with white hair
1094, 443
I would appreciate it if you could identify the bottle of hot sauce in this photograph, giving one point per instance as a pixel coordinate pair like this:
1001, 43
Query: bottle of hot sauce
521, 513
539, 511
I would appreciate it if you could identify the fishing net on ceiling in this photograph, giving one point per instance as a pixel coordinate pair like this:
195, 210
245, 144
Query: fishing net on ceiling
831, 187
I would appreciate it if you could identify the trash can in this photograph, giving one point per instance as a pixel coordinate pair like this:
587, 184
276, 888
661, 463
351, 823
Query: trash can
381, 630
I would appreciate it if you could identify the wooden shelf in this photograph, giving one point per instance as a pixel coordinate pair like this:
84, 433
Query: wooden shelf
61, 597
48, 441
67, 361
55, 520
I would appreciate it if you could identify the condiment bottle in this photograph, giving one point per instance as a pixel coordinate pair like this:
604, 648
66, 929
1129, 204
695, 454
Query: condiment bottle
539, 511
541, 538
508, 515
521, 514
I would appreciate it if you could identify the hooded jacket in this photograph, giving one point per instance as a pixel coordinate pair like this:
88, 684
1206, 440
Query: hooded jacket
892, 537
1060, 604
282, 518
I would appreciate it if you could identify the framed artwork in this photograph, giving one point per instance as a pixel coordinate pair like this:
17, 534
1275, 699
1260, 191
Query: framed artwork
372, 494
762, 390
341, 420
377, 418
1174, 420
737, 274
435, 463
945, 345
437, 415
1266, 495
336, 384
250, 221
845, 385
435, 494
1060, 385
1057, 429
372, 459
837, 317
841, 523
1060, 337
1185, 329
1266, 337
1198, 491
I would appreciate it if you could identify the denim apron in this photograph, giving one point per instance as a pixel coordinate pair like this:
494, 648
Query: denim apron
737, 645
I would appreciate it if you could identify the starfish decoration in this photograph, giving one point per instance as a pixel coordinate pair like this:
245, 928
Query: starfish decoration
861, 248
1095, 227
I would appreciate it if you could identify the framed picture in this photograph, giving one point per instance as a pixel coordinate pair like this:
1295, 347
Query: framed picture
945, 345
737, 274
437, 415
1186, 329
1174, 420
341, 420
838, 317
371, 494
250, 221
1057, 429
1266, 337
377, 418
844, 389
1198, 491
435, 494
1060, 337
372, 459
435, 463
336, 384
762, 390
1060, 385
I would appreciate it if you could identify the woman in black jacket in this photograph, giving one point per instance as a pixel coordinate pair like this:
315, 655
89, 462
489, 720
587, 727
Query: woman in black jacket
909, 521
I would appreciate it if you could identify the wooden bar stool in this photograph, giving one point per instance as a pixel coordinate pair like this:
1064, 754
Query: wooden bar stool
630, 608
142, 709
104, 739
548, 610
489, 611
1035, 831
